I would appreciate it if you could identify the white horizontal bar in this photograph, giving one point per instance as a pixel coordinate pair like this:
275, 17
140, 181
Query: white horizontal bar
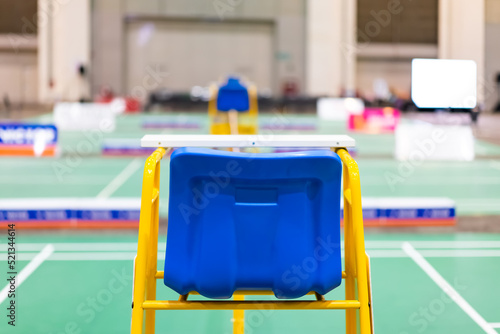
135, 203
325, 141
407, 202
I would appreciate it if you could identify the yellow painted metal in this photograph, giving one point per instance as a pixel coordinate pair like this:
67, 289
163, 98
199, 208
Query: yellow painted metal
350, 268
357, 281
146, 260
358, 303
238, 317
251, 305
156, 195
370, 292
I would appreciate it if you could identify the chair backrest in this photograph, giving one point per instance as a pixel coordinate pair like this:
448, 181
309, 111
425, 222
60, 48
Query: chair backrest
244, 221
233, 96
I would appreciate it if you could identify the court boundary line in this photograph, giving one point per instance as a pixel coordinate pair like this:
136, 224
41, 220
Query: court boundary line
375, 245
121, 178
43, 255
128, 254
447, 288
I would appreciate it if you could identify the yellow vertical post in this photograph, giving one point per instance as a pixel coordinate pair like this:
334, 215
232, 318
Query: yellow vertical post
238, 317
356, 219
370, 298
145, 262
349, 257
253, 111
152, 259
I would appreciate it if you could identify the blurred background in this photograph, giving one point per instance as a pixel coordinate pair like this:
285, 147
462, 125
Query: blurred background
415, 82
71, 50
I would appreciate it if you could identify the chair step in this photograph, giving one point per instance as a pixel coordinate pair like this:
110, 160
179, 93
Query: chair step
251, 305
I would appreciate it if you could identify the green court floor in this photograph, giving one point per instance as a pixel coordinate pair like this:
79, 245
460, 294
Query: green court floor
85, 286
473, 185
84, 173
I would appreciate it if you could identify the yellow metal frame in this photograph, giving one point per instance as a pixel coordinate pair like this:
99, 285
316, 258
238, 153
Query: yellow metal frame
247, 121
358, 305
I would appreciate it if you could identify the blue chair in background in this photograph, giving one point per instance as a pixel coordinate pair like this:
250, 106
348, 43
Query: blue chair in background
233, 96
233, 108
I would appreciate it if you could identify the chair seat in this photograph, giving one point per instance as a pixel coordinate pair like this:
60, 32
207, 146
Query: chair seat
244, 221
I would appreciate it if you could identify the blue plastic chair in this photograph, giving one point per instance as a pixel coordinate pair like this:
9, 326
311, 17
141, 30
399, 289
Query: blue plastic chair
253, 222
233, 96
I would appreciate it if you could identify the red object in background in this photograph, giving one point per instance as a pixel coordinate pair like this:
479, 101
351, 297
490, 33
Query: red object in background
105, 99
132, 105
106, 95
290, 88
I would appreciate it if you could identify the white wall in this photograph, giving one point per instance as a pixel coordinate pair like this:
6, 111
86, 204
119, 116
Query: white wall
108, 32
18, 68
391, 62
197, 53
331, 47
328, 62
462, 34
63, 48
492, 56
18, 76
112, 17
395, 72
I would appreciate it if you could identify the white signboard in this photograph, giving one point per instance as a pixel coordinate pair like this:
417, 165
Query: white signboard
339, 109
444, 83
84, 116
423, 141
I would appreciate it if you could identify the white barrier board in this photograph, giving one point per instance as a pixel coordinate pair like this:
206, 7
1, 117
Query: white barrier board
423, 141
338, 109
84, 116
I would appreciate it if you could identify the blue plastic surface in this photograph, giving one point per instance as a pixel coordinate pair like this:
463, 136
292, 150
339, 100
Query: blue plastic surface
233, 96
246, 221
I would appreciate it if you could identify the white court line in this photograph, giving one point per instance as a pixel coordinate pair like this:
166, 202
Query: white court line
434, 248
120, 179
434, 244
461, 253
447, 288
83, 256
436, 182
28, 270
448, 253
129, 254
495, 324
83, 246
